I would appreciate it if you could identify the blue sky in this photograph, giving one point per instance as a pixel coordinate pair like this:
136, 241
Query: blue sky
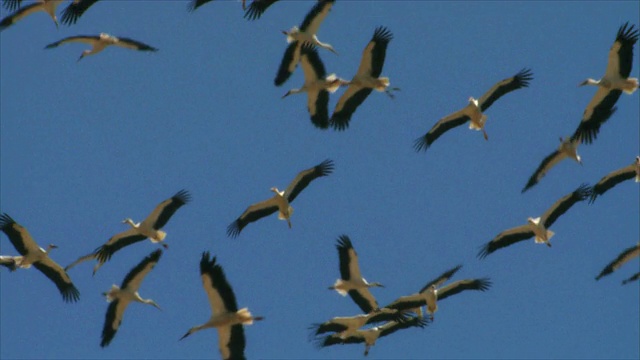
84, 145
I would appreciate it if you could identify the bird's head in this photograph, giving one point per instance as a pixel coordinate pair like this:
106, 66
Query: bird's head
588, 81
278, 192
473, 101
130, 222
533, 221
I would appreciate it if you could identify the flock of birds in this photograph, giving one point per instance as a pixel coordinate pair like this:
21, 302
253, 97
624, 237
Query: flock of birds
406, 311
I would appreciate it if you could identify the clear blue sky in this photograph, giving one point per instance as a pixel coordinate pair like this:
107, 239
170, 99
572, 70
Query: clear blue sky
84, 145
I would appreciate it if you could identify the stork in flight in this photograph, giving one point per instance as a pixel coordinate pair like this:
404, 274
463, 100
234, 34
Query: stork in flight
433, 292
100, 42
474, 111
366, 79
281, 200
615, 80
317, 85
371, 335
568, 149
48, 6
306, 33
120, 297
345, 326
149, 228
351, 281
225, 316
34, 255
614, 178
624, 257
74, 11
537, 227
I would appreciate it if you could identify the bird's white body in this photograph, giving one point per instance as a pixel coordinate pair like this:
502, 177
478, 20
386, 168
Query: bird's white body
306, 37
344, 286
284, 209
542, 234
25, 262
146, 228
126, 296
628, 85
478, 119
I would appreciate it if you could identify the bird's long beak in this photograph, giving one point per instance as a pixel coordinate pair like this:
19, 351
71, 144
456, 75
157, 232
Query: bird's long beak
287, 94
583, 83
284, 32
185, 335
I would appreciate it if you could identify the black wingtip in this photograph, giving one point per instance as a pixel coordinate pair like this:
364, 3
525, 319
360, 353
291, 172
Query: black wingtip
421, 144
326, 167
182, 196
6, 221
344, 242
233, 230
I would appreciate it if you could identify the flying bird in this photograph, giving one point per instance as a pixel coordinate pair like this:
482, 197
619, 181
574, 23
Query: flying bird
365, 80
100, 42
474, 111
370, 336
349, 325
615, 80
433, 292
306, 33
537, 227
568, 149
317, 85
281, 200
48, 6
72, 13
616, 177
257, 8
120, 297
351, 281
624, 257
34, 255
149, 228
225, 315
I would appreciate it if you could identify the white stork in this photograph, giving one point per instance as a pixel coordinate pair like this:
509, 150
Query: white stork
632, 278
100, 42
615, 80
225, 315
296, 37
11, 5
370, 336
10, 262
433, 292
568, 149
624, 257
346, 326
317, 85
34, 255
537, 227
474, 111
149, 228
72, 13
48, 6
257, 8
281, 200
614, 178
120, 297
365, 80
351, 281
